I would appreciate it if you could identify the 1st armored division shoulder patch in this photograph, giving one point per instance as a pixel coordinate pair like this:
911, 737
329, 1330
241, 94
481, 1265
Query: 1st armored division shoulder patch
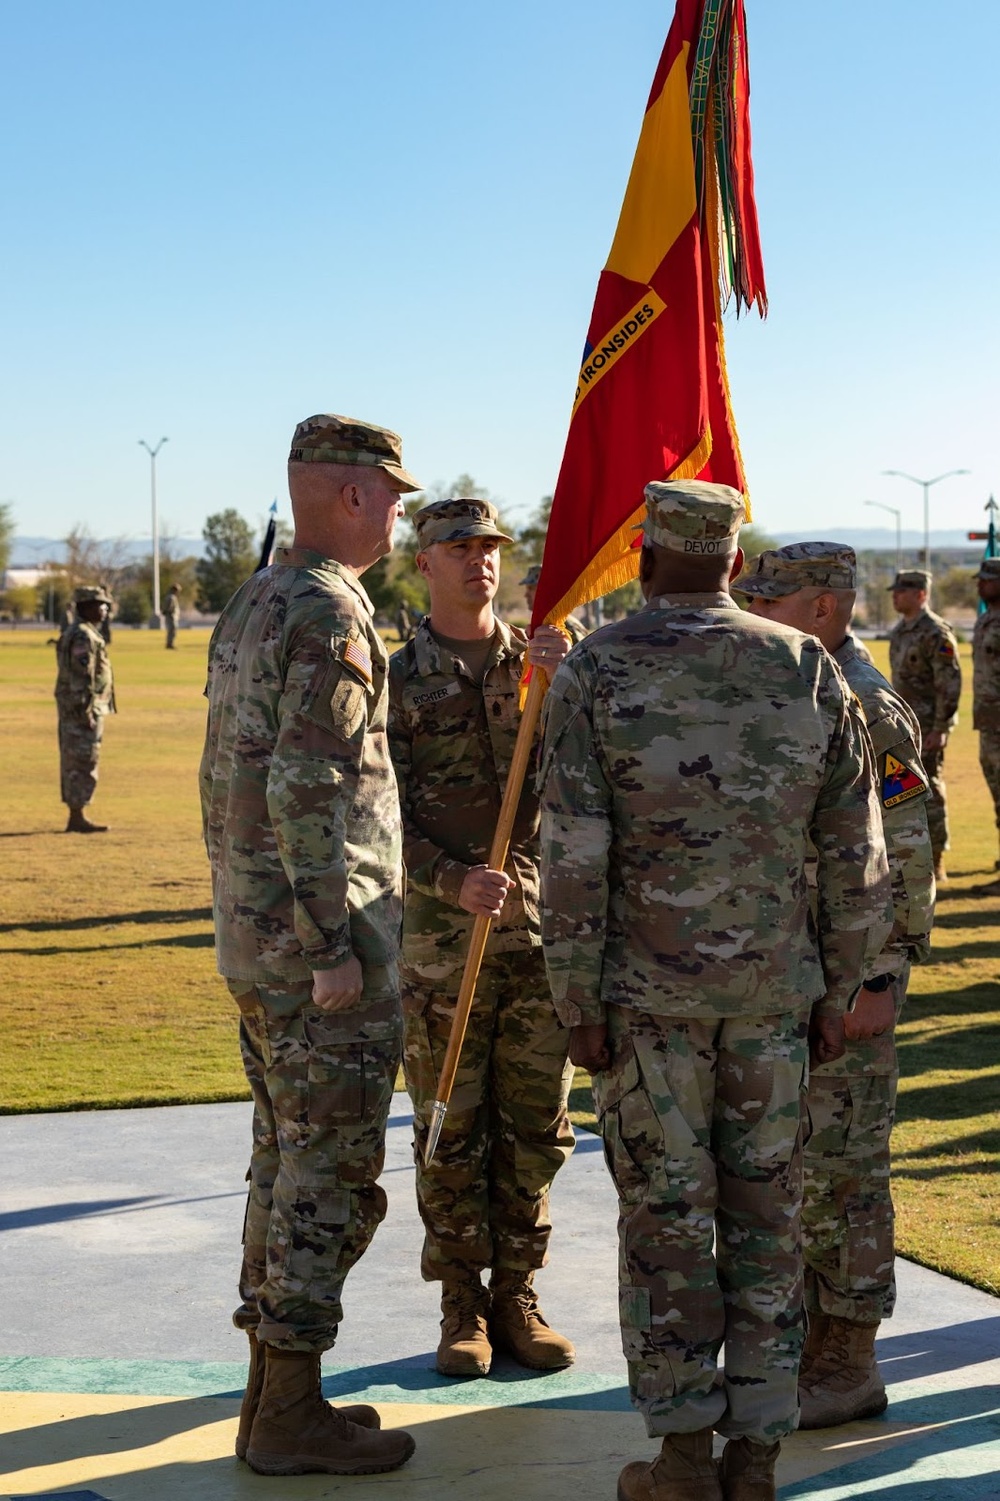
899, 783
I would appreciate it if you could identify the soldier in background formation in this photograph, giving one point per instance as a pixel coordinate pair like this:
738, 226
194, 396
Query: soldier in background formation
692, 752
301, 823
453, 722
85, 696
923, 659
171, 614
404, 623
986, 686
575, 629
847, 1217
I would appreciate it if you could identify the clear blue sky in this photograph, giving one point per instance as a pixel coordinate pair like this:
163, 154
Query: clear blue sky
221, 217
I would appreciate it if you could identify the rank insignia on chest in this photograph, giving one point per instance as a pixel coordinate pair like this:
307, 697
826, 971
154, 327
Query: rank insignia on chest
355, 654
899, 783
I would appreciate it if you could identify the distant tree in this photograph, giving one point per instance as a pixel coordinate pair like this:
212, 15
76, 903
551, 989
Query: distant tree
231, 555
6, 534
955, 590
754, 540
135, 605
22, 601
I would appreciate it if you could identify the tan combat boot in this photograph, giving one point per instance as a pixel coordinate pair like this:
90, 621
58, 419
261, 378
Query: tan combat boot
296, 1433
517, 1325
817, 1325
747, 1470
465, 1346
684, 1470
80, 824
364, 1416
844, 1383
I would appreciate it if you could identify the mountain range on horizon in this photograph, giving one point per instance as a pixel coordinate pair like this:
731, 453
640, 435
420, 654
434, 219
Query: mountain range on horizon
32, 552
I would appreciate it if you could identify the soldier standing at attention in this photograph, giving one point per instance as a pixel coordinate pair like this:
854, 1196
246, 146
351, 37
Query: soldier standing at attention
923, 660
986, 680
453, 722
85, 696
847, 1215
171, 614
692, 755
301, 822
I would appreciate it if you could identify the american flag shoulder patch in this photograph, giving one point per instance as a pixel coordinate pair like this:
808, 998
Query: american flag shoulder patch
355, 654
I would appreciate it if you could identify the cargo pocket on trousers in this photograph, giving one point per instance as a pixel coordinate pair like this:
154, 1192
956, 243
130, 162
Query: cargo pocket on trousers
318, 1220
630, 1131
868, 1248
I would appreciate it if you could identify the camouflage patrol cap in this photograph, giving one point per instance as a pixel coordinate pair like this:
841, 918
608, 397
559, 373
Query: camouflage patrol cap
454, 520
329, 439
532, 576
694, 517
801, 565
989, 568
912, 578
92, 594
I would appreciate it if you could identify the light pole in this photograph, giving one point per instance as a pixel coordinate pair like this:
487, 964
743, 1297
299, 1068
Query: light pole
154, 619
925, 485
899, 529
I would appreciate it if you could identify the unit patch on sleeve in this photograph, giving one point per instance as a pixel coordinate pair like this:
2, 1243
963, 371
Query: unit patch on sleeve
899, 783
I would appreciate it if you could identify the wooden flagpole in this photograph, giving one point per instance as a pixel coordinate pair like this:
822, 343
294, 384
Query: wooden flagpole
481, 928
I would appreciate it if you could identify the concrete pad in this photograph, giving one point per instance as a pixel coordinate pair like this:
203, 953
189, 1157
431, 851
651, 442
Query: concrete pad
120, 1373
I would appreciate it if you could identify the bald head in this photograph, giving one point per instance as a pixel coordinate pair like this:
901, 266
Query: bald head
345, 511
663, 571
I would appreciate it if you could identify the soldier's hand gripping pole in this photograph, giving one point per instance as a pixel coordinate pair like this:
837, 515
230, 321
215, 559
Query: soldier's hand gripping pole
481, 928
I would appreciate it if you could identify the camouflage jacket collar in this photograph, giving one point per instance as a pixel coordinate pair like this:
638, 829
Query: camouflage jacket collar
305, 557
918, 619
430, 658
846, 651
717, 600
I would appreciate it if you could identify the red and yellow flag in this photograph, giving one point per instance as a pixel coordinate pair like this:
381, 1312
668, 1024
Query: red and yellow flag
652, 399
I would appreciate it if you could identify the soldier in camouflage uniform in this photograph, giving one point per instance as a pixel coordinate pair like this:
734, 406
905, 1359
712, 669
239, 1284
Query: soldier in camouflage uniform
847, 1216
923, 660
171, 614
301, 822
85, 696
575, 629
453, 723
986, 685
691, 754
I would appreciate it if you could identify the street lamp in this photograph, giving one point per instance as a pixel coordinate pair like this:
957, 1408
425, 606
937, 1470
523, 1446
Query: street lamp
899, 529
154, 619
925, 485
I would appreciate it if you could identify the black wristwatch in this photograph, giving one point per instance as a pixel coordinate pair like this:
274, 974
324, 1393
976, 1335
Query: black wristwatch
878, 984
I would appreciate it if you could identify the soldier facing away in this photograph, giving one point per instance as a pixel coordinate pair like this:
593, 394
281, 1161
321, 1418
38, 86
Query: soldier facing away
986, 683
847, 1216
301, 823
85, 696
171, 614
453, 723
692, 753
923, 660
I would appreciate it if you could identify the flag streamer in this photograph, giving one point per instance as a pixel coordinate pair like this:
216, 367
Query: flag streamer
652, 399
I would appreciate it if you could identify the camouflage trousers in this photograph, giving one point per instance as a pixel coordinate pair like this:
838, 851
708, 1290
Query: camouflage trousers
484, 1199
322, 1084
937, 800
170, 622
989, 760
79, 754
702, 1134
847, 1213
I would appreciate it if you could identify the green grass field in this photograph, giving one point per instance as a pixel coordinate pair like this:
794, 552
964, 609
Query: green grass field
110, 994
